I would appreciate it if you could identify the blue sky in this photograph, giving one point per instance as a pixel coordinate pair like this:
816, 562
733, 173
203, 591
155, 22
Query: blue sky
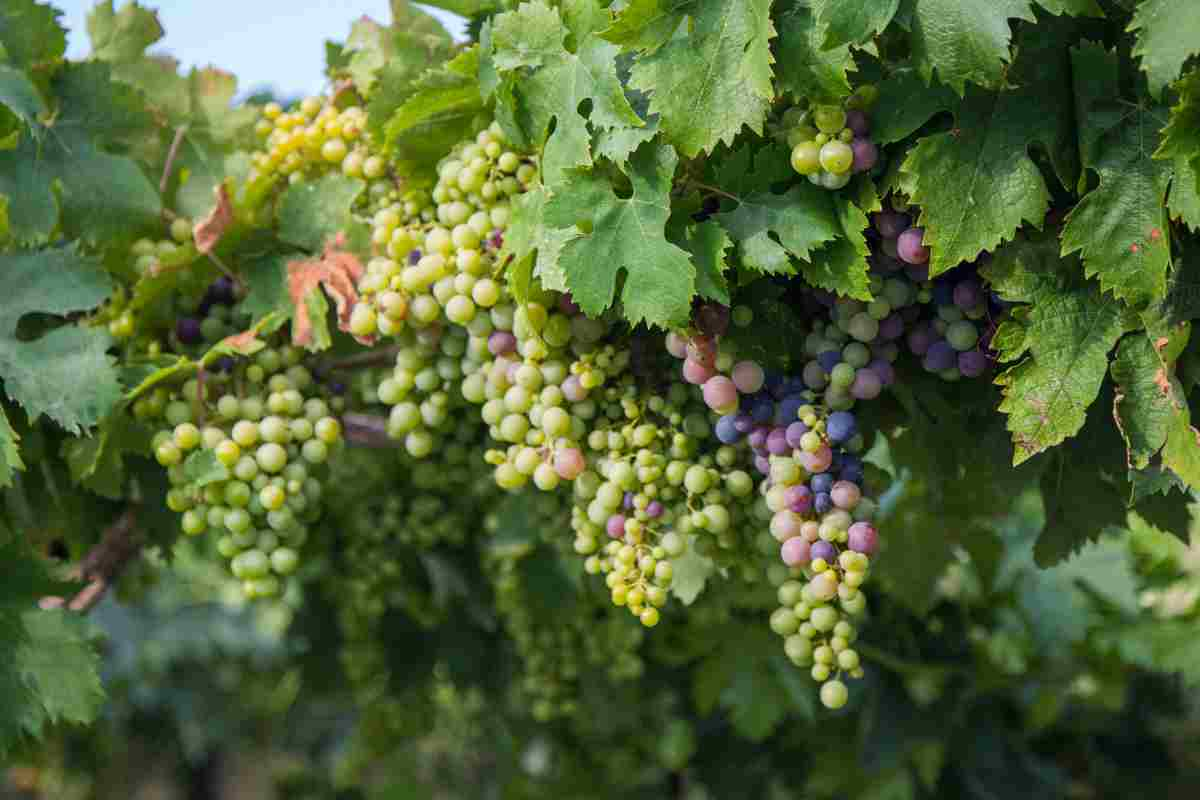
275, 42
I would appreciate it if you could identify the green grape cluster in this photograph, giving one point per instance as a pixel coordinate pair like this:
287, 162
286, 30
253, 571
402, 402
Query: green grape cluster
829, 143
245, 452
556, 651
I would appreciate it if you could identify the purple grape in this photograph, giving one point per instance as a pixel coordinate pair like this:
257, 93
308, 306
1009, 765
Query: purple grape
862, 538
867, 384
968, 294
909, 246
840, 426
762, 409
187, 330
822, 482
337, 387
743, 423
777, 444
829, 359
891, 224
225, 364
726, 429
712, 319
919, 340
787, 408
654, 509
866, 155
627, 501
823, 549
762, 464
885, 371
940, 356
799, 498
856, 121
413, 257
891, 327
972, 363
852, 473
496, 240
822, 502
794, 432
615, 526
501, 342
758, 437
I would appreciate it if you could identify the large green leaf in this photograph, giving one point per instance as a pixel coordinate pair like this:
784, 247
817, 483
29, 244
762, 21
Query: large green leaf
852, 23
976, 184
56, 281
625, 236
102, 197
807, 65
1062, 352
706, 80
551, 83
1168, 33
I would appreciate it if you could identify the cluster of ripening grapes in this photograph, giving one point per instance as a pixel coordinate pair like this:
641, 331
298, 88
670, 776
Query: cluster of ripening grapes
265, 425
830, 143
557, 650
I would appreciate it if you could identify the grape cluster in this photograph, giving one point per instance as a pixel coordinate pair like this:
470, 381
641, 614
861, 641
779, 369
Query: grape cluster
831, 143
245, 450
436, 254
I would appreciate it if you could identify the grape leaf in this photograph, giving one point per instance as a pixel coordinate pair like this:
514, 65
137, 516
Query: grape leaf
1168, 33
103, 197
30, 34
97, 462
552, 83
841, 266
965, 40
905, 104
1181, 136
10, 452
1069, 331
1148, 395
625, 235
1184, 199
1182, 450
338, 272
415, 39
1120, 228
439, 109
707, 243
771, 229
528, 234
806, 65
202, 468
312, 213
60, 669
122, 35
692, 571
852, 23
56, 281
20, 96
976, 183
712, 79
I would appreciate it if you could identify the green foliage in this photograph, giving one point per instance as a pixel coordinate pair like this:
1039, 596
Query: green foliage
625, 235
1033, 583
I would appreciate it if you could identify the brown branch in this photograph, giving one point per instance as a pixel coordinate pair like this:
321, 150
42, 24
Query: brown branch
102, 565
367, 430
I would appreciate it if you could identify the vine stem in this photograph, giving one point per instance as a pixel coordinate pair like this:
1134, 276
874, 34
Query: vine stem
102, 565
367, 430
371, 358
171, 155
716, 191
